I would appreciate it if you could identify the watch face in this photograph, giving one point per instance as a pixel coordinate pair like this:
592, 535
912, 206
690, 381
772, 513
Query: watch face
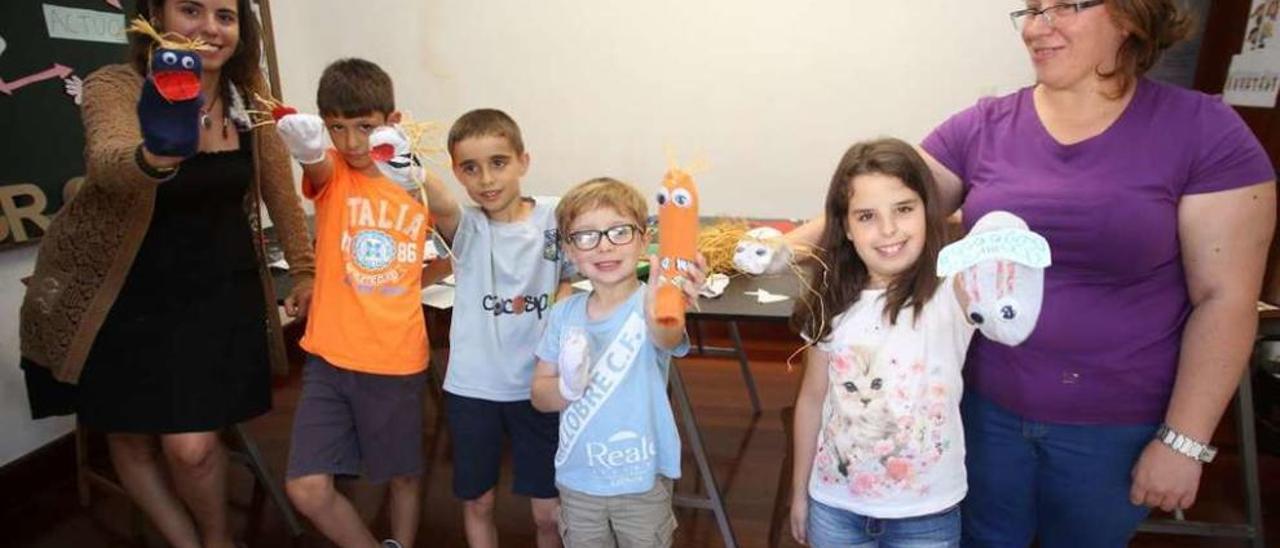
1206, 455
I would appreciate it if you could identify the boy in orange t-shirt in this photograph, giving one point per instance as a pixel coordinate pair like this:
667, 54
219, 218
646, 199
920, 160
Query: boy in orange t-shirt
361, 404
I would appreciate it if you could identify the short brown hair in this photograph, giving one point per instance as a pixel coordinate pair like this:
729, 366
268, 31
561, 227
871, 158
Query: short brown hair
354, 87
486, 122
599, 193
1153, 26
241, 69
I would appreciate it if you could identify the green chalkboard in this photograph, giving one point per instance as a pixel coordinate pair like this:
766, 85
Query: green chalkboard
46, 49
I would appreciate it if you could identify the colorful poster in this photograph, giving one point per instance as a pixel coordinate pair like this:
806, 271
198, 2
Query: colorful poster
1260, 32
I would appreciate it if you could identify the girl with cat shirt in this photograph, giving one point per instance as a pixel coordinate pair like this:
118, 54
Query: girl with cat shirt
879, 449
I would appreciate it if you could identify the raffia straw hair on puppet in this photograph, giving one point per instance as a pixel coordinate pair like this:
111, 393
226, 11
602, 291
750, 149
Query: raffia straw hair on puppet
168, 40
275, 110
817, 269
427, 144
718, 242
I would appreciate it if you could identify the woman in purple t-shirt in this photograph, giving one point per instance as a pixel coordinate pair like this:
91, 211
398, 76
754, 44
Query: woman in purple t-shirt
1159, 205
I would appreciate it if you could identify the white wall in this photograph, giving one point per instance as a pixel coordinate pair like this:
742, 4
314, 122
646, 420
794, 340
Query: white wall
21, 434
768, 93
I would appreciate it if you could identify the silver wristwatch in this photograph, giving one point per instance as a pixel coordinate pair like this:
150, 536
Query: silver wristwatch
1184, 445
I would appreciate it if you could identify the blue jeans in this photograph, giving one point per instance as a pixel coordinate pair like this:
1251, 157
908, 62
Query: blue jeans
832, 527
1065, 485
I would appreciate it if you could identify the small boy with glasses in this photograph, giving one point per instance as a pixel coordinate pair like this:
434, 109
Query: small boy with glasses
603, 363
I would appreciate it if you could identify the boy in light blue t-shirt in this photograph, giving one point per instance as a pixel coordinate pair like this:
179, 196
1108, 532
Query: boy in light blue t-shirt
603, 363
509, 269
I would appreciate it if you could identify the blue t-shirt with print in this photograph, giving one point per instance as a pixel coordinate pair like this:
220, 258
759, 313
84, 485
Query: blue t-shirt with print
621, 434
507, 275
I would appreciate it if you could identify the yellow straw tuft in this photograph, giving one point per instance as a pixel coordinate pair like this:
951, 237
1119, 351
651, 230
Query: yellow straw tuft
168, 40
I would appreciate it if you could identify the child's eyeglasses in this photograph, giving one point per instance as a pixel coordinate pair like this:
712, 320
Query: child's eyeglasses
586, 240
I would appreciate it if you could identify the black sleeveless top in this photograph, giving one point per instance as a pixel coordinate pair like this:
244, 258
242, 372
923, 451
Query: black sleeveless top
184, 347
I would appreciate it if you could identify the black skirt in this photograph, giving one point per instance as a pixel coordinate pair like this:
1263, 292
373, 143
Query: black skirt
184, 347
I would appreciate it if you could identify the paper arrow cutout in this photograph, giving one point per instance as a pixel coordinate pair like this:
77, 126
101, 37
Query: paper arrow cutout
56, 71
765, 297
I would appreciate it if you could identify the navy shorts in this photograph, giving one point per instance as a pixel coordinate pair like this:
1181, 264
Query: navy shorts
349, 423
477, 427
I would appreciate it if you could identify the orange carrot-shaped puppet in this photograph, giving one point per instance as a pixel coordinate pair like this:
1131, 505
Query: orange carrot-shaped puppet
677, 244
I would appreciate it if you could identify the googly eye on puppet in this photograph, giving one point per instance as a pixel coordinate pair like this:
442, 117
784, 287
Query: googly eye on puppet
999, 268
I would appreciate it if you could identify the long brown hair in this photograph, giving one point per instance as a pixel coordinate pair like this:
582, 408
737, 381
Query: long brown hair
242, 69
846, 274
1153, 26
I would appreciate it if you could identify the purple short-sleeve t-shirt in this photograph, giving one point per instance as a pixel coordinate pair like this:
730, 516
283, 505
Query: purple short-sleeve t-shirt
1106, 347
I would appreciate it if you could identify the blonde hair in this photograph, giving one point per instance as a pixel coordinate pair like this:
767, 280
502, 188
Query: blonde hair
599, 193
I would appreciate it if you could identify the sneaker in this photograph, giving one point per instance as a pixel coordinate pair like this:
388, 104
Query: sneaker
391, 543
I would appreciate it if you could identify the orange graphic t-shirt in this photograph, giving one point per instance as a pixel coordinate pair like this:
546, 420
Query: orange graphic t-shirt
366, 310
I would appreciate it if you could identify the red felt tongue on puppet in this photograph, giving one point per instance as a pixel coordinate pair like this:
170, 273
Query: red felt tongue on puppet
382, 153
177, 85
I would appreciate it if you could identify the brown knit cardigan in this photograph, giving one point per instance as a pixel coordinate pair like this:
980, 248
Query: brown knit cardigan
91, 244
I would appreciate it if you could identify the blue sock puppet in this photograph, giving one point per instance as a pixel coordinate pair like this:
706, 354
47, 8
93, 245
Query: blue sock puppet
169, 108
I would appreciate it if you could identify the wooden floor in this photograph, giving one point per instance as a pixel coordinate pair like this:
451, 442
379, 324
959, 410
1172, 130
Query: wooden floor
745, 452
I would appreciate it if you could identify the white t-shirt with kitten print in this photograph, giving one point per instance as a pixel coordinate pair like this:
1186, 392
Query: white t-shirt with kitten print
890, 444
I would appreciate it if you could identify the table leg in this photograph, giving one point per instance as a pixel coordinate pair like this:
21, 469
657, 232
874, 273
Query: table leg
747, 377
714, 501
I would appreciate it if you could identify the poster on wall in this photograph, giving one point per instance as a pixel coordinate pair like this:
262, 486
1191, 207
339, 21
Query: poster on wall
1260, 32
1254, 74
47, 48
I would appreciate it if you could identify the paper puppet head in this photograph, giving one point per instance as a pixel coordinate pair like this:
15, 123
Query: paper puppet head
760, 251
390, 149
1002, 272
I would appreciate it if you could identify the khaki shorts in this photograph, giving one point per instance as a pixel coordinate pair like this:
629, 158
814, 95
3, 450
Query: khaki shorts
625, 521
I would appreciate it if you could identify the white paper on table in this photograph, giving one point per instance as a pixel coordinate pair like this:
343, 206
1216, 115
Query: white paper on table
438, 296
714, 286
765, 297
